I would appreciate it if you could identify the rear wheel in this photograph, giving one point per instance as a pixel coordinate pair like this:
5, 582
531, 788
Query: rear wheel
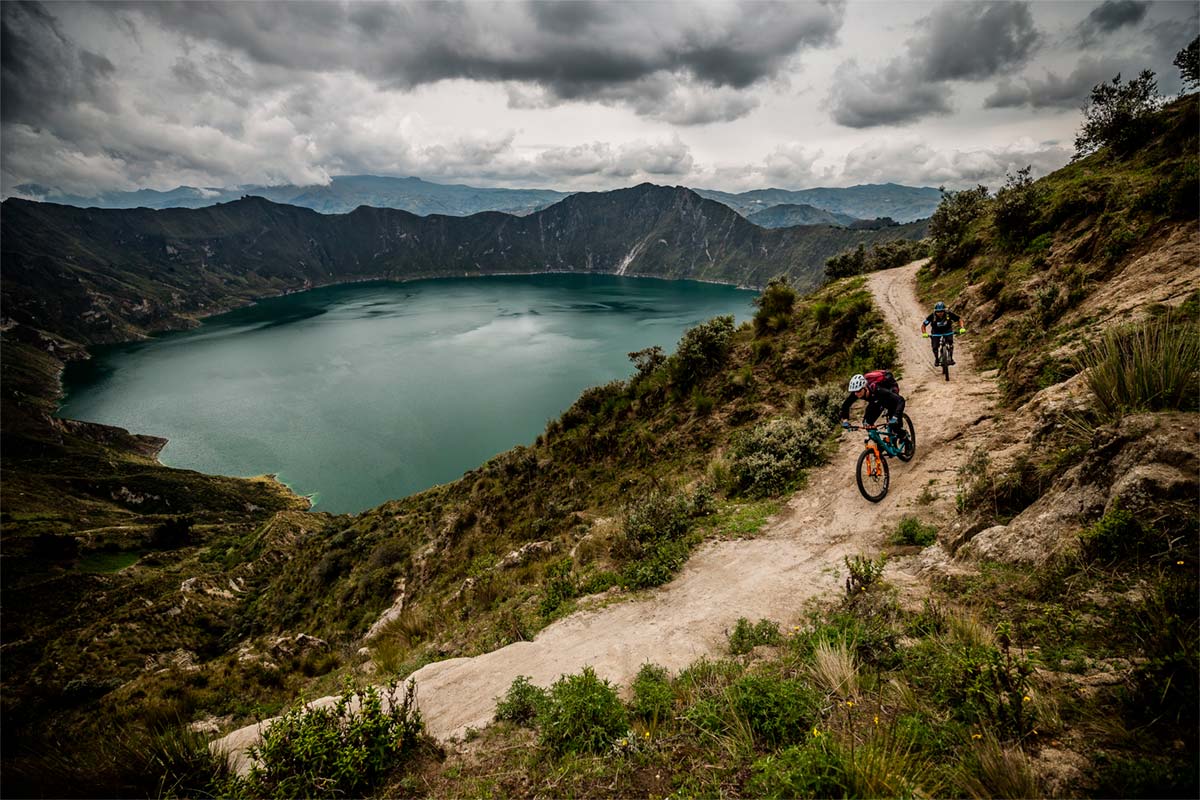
872, 474
910, 444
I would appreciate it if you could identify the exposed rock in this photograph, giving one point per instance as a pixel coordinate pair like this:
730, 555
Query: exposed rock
392, 613
526, 553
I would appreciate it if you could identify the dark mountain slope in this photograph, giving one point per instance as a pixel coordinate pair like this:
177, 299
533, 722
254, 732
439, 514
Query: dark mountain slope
787, 214
98, 275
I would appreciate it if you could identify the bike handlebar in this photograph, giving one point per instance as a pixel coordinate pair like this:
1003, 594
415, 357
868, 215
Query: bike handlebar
955, 333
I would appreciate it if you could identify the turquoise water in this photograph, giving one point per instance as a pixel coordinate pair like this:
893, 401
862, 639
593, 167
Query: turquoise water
362, 393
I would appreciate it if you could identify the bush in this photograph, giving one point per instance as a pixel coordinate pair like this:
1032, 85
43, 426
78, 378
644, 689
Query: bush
1151, 366
774, 307
701, 352
561, 586
652, 694
583, 715
814, 769
1016, 208
1120, 116
769, 458
745, 636
658, 516
337, 750
825, 401
911, 531
949, 225
522, 703
779, 712
862, 572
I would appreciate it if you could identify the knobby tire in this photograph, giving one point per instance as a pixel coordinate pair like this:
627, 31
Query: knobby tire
911, 450
866, 460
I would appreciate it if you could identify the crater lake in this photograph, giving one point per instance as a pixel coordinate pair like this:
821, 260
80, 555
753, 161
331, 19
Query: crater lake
361, 393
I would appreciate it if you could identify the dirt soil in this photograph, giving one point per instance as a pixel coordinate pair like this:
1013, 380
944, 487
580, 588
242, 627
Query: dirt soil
794, 560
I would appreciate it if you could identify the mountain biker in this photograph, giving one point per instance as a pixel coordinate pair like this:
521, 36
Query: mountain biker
878, 399
943, 322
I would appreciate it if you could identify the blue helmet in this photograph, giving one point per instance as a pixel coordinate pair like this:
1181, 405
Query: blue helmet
939, 306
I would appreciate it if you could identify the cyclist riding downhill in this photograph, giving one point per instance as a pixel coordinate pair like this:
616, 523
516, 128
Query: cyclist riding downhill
879, 398
943, 323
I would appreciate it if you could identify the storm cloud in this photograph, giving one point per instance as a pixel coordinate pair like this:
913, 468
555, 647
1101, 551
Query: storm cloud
571, 51
1108, 17
957, 42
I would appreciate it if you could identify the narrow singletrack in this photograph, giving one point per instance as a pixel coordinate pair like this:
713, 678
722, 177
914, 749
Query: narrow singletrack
796, 558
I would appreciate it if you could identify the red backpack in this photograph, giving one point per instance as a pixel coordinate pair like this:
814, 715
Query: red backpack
882, 378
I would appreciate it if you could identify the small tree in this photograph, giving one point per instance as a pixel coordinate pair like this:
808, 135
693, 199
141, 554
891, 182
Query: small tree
843, 265
1188, 61
949, 224
1119, 116
1016, 208
774, 306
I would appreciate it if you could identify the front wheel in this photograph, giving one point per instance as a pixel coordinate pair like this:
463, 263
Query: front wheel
945, 359
872, 474
910, 444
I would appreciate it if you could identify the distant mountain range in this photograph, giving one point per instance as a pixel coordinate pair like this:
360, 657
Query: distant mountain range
98, 275
867, 201
347, 192
785, 215
343, 194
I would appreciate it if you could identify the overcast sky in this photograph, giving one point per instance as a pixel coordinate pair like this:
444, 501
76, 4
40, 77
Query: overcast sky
573, 95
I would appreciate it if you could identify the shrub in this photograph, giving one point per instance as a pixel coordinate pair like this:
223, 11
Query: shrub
702, 350
911, 531
779, 712
769, 458
774, 307
844, 265
745, 636
1016, 208
814, 769
825, 401
1151, 366
561, 586
336, 750
658, 516
522, 703
949, 224
1120, 116
862, 572
657, 564
701, 403
583, 715
652, 694
647, 361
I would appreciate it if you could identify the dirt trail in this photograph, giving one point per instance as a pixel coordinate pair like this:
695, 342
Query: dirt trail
797, 557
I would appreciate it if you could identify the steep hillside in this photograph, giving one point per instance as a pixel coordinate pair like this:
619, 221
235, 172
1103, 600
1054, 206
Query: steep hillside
110, 275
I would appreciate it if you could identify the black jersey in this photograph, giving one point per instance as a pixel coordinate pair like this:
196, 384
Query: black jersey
947, 324
878, 399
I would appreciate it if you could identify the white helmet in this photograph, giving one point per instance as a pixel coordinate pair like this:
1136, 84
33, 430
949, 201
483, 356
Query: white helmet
857, 382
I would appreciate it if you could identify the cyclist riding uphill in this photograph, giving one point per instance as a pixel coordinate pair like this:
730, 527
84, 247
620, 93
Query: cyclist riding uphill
943, 323
878, 399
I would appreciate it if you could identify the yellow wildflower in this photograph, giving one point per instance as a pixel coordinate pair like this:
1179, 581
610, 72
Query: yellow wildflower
976, 736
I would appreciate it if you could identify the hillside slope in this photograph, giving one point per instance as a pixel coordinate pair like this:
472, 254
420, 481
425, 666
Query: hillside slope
97, 275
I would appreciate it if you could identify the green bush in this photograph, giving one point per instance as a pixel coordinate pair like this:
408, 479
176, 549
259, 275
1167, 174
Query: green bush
1016, 208
700, 353
522, 703
1119, 116
779, 712
561, 586
336, 750
769, 458
658, 516
774, 307
813, 769
911, 531
825, 401
949, 244
1151, 366
653, 697
862, 572
657, 564
746, 636
582, 715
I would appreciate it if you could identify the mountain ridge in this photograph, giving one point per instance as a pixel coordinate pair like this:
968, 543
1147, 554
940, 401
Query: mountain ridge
100, 275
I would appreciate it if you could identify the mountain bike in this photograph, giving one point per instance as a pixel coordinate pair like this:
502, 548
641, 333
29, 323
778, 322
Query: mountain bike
945, 350
872, 471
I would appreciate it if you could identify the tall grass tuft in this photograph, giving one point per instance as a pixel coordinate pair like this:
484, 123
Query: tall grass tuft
1153, 365
833, 668
995, 771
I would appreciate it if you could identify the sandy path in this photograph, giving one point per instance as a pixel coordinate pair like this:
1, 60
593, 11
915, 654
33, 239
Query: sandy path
797, 557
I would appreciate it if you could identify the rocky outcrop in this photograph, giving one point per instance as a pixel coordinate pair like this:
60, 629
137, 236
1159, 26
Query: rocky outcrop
1143, 463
